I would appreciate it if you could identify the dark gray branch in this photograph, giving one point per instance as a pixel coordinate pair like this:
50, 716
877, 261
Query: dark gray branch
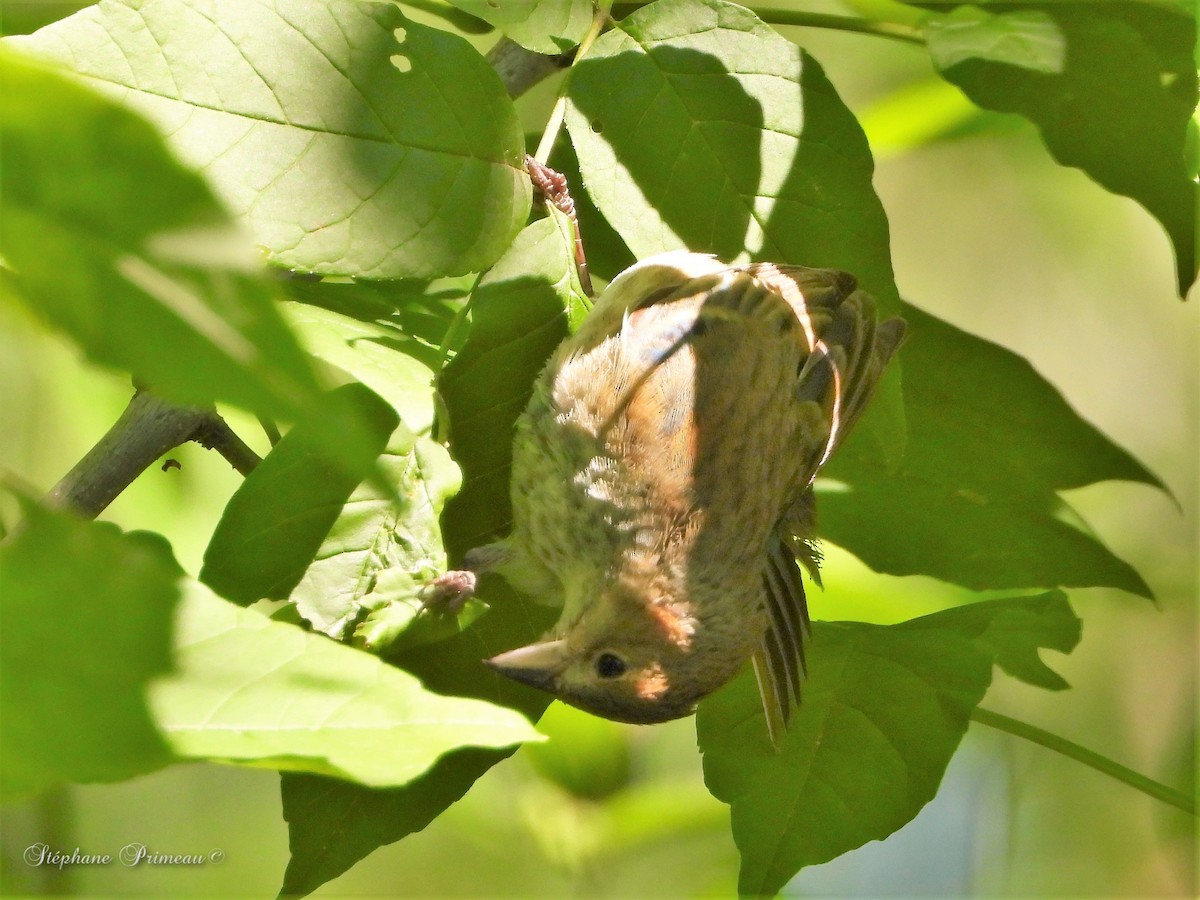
148, 428
521, 69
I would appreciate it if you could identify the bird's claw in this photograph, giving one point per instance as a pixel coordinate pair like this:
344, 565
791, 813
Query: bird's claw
448, 594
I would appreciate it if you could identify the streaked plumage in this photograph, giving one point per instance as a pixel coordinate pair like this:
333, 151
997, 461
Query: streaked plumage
662, 477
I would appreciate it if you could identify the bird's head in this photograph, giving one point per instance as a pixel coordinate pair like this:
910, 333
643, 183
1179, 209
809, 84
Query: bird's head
630, 655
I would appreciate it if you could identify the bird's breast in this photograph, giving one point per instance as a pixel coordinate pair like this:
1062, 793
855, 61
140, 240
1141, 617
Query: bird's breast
669, 437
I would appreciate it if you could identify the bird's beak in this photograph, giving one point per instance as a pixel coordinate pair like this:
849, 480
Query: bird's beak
537, 665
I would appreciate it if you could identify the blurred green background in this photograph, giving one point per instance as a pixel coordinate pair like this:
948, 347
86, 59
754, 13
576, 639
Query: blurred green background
988, 233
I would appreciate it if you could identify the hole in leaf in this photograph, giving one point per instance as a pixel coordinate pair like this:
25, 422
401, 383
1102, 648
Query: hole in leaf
402, 63
597, 126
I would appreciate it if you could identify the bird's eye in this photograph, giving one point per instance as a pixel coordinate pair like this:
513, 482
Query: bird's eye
609, 665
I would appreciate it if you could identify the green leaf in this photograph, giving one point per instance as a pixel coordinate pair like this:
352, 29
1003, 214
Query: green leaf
117, 664
543, 26
697, 126
1027, 39
332, 824
884, 710
1014, 628
275, 522
412, 316
119, 246
1112, 87
80, 644
379, 354
990, 443
519, 314
350, 139
524, 307
382, 547
250, 690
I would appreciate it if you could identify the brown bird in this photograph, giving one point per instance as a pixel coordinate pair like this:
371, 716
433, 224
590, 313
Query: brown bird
662, 483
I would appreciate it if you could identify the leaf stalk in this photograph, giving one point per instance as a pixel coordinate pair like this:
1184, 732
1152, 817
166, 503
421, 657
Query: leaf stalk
1074, 751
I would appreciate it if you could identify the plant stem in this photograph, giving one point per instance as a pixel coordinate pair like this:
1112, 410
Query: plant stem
558, 114
895, 30
460, 318
1088, 757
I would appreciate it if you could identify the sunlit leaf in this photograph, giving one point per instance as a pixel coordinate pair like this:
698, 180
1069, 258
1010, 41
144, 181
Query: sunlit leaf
350, 139
411, 316
698, 127
250, 690
382, 547
116, 244
519, 313
274, 524
543, 26
143, 666
381, 354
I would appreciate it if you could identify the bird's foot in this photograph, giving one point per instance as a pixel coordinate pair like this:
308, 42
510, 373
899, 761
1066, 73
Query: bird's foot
448, 594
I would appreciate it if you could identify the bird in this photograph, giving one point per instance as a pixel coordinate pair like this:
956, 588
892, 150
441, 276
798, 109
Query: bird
662, 483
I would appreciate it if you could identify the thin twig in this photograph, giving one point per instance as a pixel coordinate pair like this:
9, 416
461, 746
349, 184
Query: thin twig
559, 112
894, 30
214, 433
148, 428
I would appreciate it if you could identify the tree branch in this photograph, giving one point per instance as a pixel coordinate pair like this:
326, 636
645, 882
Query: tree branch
147, 429
150, 426
521, 69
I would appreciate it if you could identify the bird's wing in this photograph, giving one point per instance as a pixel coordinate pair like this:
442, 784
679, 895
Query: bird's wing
847, 352
779, 662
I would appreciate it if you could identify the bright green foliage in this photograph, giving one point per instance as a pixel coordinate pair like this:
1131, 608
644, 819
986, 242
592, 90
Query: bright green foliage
394, 352
249, 690
383, 546
544, 26
114, 241
884, 709
699, 127
385, 155
187, 675
276, 521
124, 587
350, 139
